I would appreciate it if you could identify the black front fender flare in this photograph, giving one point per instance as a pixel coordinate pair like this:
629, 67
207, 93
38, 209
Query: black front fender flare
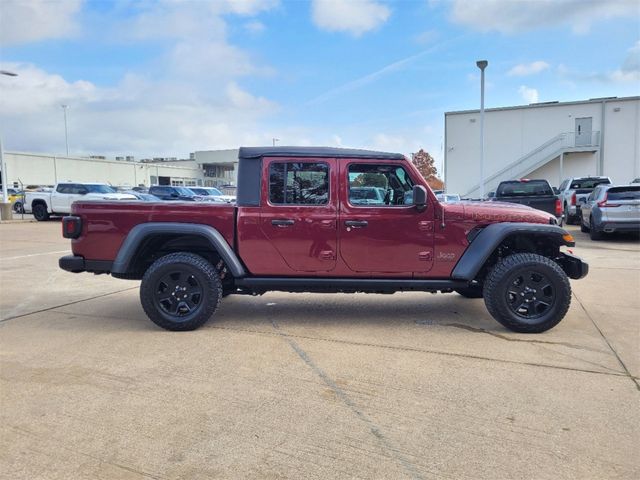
141, 232
486, 242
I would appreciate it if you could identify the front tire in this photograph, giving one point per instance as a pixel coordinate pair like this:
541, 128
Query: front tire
527, 293
180, 291
583, 227
40, 212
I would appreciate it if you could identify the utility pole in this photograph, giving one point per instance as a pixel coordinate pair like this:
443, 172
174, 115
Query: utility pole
3, 166
482, 64
66, 134
274, 140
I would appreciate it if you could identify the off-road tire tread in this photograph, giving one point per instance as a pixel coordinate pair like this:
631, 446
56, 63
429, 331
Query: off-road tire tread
212, 291
494, 293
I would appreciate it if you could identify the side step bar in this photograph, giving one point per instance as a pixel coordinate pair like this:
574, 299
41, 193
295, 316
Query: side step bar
334, 285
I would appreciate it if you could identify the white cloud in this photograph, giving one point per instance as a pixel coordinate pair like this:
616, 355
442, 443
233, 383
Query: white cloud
525, 69
509, 16
254, 27
354, 16
428, 36
530, 95
24, 21
629, 71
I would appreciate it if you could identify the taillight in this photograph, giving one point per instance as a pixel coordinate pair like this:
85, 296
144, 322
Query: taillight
573, 199
604, 203
558, 207
71, 226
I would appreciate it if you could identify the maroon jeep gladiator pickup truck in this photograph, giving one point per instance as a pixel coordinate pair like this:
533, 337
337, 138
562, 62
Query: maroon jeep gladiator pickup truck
327, 220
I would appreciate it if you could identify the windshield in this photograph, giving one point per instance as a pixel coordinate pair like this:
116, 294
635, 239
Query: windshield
214, 191
524, 189
200, 191
99, 189
184, 191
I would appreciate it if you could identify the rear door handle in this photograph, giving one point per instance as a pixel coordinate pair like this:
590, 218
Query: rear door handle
356, 223
282, 222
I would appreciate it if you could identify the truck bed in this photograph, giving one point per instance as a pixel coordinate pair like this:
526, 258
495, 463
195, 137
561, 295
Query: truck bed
109, 222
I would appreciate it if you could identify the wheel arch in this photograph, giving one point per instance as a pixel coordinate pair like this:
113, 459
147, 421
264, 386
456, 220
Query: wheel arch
525, 237
147, 240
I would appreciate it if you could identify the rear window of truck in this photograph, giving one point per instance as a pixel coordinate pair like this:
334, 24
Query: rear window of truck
524, 189
588, 183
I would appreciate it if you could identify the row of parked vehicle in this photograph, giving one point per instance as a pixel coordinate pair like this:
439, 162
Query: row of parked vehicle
593, 202
54, 201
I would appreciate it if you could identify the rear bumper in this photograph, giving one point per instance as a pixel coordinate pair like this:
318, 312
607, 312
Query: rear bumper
611, 227
573, 266
77, 264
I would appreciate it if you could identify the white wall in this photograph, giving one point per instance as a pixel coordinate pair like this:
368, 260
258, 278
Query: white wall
36, 169
512, 133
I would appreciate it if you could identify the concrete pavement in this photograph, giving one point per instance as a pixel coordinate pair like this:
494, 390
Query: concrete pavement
409, 385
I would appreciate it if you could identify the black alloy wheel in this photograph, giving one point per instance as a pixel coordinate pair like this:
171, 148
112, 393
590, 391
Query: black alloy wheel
530, 294
180, 291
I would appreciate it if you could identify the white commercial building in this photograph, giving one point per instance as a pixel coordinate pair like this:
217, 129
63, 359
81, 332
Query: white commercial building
206, 168
553, 140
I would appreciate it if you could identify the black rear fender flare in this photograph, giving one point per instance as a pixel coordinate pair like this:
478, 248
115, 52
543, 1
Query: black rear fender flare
142, 232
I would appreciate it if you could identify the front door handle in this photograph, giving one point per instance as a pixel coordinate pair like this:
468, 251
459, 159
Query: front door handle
282, 222
356, 223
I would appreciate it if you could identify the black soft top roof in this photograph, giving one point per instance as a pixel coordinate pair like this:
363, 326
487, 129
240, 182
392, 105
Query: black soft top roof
249, 153
250, 165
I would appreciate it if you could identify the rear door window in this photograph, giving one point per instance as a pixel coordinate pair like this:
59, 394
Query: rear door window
299, 183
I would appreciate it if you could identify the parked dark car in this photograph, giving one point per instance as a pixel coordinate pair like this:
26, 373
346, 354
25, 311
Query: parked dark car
536, 194
145, 197
167, 192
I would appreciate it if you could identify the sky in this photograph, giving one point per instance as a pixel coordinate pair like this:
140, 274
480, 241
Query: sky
155, 78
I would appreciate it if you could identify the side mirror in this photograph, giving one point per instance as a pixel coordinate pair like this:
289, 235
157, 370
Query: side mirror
174, 195
420, 197
83, 191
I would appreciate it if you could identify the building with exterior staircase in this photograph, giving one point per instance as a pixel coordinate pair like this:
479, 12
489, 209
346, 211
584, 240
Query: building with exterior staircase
552, 140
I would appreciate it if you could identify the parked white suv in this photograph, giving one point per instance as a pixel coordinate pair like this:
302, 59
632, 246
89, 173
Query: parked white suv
58, 202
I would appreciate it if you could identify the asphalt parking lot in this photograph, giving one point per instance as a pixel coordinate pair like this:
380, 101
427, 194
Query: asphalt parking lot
409, 385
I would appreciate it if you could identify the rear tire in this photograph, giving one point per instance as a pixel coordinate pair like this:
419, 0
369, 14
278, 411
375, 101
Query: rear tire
594, 233
180, 291
40, 212
527, 293
583, 227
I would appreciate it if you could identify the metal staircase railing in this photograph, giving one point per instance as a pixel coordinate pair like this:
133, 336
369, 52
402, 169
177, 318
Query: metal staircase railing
539, 156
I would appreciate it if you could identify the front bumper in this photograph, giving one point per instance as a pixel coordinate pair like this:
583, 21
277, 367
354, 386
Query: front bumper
573, 266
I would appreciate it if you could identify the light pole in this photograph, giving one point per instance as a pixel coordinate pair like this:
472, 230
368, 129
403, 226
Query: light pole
66, 135
274, 140
3, 166
482, 64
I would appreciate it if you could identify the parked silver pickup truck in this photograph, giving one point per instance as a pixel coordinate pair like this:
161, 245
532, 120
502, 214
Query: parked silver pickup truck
58, 202
575, 188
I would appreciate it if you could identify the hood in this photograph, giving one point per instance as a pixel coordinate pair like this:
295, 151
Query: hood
494, 212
